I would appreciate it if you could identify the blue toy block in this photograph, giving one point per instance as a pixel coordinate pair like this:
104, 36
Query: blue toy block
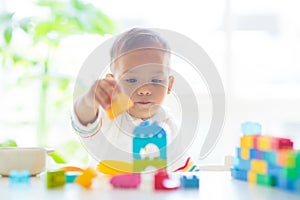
147, 133
252, 153
19, 177
242, 164
239, 174
250, 128
71, 176
270, 157
189, 182
285, 184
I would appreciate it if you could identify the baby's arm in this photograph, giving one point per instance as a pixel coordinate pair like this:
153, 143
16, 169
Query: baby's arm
99, 94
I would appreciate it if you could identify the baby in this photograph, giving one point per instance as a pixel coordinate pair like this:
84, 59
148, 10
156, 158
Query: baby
140, 66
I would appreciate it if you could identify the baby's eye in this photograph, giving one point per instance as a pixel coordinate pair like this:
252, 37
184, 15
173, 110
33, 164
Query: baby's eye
156, 81
131, 80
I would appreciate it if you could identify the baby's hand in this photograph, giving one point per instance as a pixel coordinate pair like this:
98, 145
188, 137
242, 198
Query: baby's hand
102, 91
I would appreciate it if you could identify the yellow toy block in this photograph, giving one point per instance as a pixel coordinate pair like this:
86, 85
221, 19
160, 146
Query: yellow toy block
247, 141
264, 143
251, 177
114, 167
119, 105
245, 153
259, 166
85, 179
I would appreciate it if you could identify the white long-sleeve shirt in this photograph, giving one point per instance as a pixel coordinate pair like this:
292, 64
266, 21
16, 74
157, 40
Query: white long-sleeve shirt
107, 139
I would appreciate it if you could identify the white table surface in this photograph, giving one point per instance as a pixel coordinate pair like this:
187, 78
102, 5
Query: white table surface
213, 185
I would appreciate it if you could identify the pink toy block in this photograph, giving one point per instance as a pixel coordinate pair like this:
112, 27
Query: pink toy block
126, 181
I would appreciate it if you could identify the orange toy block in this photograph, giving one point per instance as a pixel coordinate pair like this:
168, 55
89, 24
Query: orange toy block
119, 105
264, 143
282, 157
85, 179
259, 166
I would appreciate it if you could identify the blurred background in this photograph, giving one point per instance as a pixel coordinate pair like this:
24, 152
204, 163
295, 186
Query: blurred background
254, 44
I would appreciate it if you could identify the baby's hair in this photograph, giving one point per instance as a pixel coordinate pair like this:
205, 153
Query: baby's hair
137, 38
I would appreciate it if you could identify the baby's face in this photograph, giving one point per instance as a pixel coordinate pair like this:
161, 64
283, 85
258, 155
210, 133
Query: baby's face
143, 76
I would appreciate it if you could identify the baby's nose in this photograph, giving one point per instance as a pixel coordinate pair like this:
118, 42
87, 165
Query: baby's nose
144, 90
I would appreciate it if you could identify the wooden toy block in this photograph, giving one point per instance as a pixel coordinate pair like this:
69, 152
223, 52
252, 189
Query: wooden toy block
126, 181
251, 176
267, 180
251, 128
189, 182
239, 174
259, 166
281, 143
121, 104
85, 179
264, 143
55, 178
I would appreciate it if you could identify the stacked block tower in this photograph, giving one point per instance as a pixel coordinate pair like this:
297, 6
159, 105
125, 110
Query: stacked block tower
266, 160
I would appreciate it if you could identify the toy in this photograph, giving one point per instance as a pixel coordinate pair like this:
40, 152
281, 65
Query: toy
267, 160
55, 178
163, 182
189, 182
126, 181
119, 105
149, 146
19, 177
250, 128
114, 167
85, 179
71, 176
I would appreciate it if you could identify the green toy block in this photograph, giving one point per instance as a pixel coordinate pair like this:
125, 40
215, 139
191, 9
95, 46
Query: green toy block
293, 159
55, 178
267, 180
290, 173
141, 165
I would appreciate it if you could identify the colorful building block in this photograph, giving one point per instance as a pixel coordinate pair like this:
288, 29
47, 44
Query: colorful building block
162, 181
149, 146
126, 181
19, 177
264, 143
251, 176
55, 178
71, 176
189, 182
267, 180
281, 143
85, 179
239, 174
115, 167
250, 128
242, 164
119, 105
259, 166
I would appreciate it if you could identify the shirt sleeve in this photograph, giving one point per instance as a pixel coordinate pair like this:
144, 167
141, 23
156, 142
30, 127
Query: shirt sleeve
86, 130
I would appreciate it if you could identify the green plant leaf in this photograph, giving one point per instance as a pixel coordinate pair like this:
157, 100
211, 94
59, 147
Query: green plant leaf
57, 158
7, 34
8, 143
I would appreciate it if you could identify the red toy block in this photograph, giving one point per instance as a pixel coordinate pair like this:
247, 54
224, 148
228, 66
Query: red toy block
163, 182
281, 143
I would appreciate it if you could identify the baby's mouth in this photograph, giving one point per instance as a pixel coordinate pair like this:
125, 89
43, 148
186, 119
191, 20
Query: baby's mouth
143, 102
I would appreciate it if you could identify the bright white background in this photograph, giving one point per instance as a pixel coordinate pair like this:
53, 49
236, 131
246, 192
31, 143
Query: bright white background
255, 44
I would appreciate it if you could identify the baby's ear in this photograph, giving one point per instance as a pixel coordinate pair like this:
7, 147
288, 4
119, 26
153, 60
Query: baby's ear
110, 76
170, 85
